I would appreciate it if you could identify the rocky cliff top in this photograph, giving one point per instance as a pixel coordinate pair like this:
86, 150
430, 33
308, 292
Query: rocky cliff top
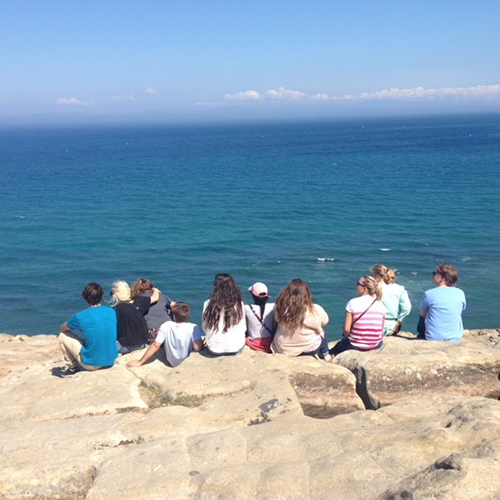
255, 426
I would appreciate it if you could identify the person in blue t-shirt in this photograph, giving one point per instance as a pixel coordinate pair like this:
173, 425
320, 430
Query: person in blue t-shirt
441, 308
88, 338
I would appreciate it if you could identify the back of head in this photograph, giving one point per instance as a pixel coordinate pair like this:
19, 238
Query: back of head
93, 293
225, 303
292, 304
141, 286
448, 272
260, 293
390, 276
181, 312
371, 285
120, 292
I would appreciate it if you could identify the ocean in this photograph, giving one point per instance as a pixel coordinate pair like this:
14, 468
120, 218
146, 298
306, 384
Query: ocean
265, 202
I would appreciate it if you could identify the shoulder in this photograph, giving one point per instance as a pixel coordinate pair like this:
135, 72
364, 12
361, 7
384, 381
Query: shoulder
141, 300
317, 309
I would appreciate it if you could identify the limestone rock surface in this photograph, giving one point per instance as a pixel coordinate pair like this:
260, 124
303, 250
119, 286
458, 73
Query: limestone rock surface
242, 427
410, 368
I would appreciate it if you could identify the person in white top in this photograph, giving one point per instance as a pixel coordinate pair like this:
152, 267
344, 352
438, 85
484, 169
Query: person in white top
261, 325
223, 318
394, 297
179, 337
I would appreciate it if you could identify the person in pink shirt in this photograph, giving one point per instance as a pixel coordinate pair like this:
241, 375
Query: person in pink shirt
364, 319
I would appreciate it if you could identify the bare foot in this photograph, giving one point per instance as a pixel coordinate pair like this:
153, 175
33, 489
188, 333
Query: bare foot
328, 358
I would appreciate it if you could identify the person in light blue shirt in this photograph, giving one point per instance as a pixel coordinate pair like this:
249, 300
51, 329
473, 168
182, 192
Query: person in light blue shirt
441, 308
179, 338
88, 339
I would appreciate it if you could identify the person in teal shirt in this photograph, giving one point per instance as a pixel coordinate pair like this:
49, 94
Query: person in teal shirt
394, 297
88, 338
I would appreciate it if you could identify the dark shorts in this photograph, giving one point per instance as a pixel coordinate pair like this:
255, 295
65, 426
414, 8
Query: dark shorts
345, 345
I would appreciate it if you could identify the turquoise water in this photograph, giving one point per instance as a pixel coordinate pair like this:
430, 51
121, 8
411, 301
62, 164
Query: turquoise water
264, 202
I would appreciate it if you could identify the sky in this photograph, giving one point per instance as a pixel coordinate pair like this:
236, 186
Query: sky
216, 60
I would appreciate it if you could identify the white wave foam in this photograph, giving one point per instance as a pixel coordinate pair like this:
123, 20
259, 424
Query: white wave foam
385, 249
326, 259
20, 217
466, 259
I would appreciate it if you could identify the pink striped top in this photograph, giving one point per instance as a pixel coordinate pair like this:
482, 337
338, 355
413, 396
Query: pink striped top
368, 331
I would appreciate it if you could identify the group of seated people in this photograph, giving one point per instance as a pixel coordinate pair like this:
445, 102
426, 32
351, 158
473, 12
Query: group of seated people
293, 325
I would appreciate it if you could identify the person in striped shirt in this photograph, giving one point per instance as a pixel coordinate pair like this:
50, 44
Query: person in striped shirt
364, 319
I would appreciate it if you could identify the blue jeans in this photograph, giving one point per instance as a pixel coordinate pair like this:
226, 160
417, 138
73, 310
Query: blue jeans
126, 349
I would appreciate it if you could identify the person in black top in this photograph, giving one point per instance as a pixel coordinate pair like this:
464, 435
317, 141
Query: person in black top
132, 328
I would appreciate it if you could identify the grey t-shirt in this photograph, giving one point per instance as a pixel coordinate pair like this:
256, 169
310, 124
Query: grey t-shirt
157, 314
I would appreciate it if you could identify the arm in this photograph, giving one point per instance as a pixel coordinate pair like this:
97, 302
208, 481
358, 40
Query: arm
155, 296
347, 324
65, 328
152, 350
404, 306
197, 341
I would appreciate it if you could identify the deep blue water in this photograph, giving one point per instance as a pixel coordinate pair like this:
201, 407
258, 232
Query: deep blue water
265, 202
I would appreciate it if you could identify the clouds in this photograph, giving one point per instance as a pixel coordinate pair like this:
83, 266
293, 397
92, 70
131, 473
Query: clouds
393, 94
72, 101
117, 98
249, 95
124, 97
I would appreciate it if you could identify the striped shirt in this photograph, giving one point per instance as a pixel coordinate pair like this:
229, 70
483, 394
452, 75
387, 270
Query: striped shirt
367, 331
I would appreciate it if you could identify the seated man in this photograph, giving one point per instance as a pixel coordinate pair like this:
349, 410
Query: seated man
88, 339
179, 337
441, 308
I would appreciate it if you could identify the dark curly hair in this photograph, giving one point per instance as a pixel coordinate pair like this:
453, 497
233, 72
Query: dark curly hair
224, 303
93, 293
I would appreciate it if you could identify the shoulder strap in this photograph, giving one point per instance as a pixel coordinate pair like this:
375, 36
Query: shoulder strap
260, 319
365, 311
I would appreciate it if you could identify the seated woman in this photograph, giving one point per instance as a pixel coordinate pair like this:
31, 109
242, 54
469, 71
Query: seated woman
364, 319
300, 322
158, 312
441, 308
132, 329
223, 318
394, 297
261, 325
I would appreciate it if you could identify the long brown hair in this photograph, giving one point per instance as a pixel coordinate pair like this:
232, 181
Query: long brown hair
141, 286
292, 304
224, 303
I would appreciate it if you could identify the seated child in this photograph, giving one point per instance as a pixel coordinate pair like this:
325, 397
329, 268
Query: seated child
179, 338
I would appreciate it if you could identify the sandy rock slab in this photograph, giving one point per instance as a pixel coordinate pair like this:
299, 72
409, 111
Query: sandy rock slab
413, 448
35, 393
20, 351
255, 387
408, 368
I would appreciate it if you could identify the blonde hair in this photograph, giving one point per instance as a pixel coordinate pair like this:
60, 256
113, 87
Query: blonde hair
370, 283
381, 272
120, 292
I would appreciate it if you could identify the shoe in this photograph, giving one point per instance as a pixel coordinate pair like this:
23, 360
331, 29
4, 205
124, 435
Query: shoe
68, 372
